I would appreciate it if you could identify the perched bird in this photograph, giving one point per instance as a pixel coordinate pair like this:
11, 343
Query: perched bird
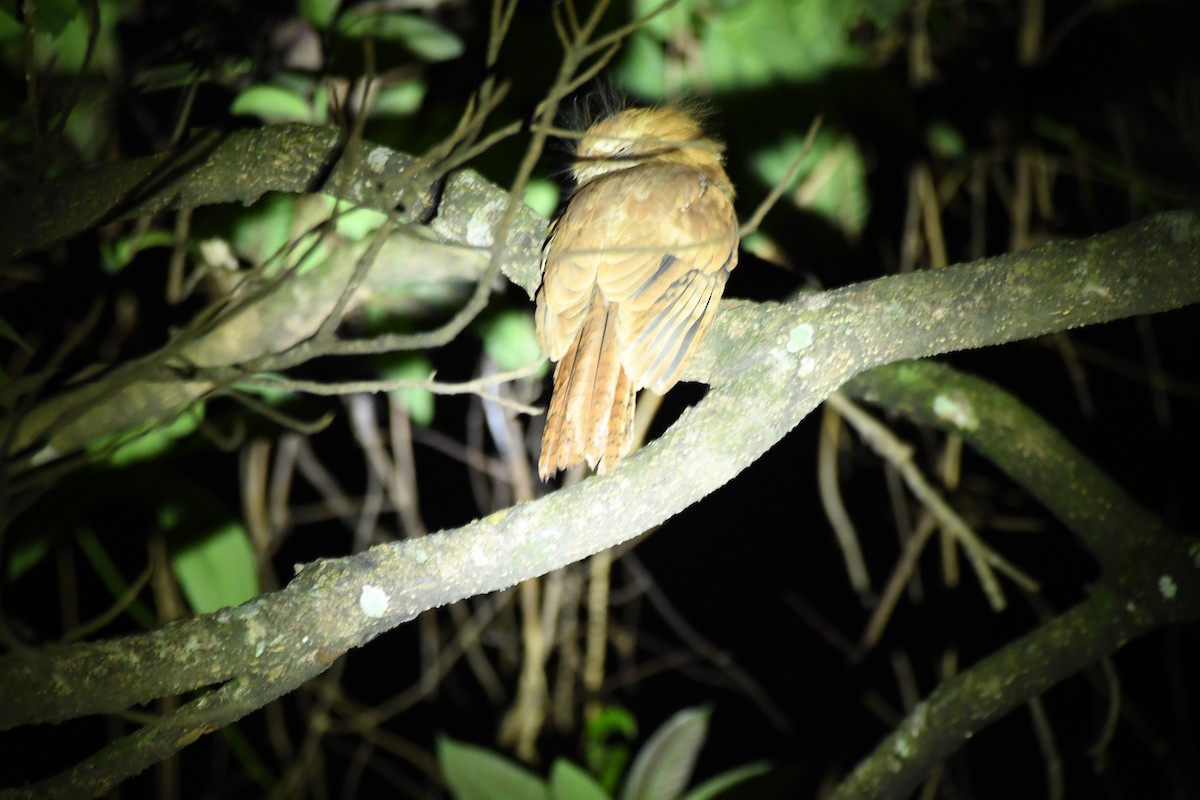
632, 271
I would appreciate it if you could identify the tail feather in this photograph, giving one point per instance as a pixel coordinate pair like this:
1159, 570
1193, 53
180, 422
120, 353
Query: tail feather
591, 409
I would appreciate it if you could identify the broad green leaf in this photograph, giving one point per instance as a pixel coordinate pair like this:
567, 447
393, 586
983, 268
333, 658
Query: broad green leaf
272, 104
884, 12
833, 178
663, 767
475, 773
261, 231
642, 68
410, 367
569, 782
542, 196
211, 553
320, 12
715, 786
744, 45
510, 340
53, 16
400, 99
149, 439
357, 223
219, 570
422, 37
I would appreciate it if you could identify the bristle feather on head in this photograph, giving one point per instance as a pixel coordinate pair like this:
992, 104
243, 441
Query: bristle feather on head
604, 99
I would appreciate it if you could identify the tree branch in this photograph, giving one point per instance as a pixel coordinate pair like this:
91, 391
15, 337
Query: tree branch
781, 360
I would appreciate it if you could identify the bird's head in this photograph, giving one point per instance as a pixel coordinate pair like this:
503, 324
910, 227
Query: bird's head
638, 136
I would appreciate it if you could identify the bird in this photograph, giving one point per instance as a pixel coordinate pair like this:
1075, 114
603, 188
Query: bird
632, 272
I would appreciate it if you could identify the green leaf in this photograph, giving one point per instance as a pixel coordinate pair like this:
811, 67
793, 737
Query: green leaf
119, 254
272, 104
884, 12
211, 553
422, 37
260, 232
642, 69
400, 99
715, 786
569, 782
149, 440
320, 12
410, 367
25, 553
664, 766
605, 758
509, 338
610, 720
357, 223
7, 331
271, 395
53, 16
945, 140
475, 773
833, 178
542, 196
745, 45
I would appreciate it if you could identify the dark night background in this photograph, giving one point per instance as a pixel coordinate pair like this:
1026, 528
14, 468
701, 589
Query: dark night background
1109, 113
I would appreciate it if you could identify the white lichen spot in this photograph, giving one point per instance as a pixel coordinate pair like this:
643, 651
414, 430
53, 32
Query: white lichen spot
417, 552
479, 231
259, 648
479, 556
780, 359
377, 159
800, 337
1131, 607
808, 365
1090, 290
901, 747
1167, 587
957, 411
373, 601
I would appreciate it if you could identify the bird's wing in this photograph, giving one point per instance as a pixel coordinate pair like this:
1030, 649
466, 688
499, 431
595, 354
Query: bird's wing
667, 290
659, 242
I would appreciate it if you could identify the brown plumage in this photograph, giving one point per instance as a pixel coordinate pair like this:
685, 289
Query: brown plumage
632, 273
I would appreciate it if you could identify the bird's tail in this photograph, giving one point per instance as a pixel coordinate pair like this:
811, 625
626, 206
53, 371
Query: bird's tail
591, 411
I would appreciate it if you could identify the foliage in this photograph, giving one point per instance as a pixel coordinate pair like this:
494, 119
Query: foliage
660, 771
244, 374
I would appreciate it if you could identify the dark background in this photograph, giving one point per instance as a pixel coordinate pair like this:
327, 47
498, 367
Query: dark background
752, 566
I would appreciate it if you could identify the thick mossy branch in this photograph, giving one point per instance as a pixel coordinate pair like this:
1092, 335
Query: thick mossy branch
241, 167
780, 360
1161, 587
1028, 449
1150, 577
